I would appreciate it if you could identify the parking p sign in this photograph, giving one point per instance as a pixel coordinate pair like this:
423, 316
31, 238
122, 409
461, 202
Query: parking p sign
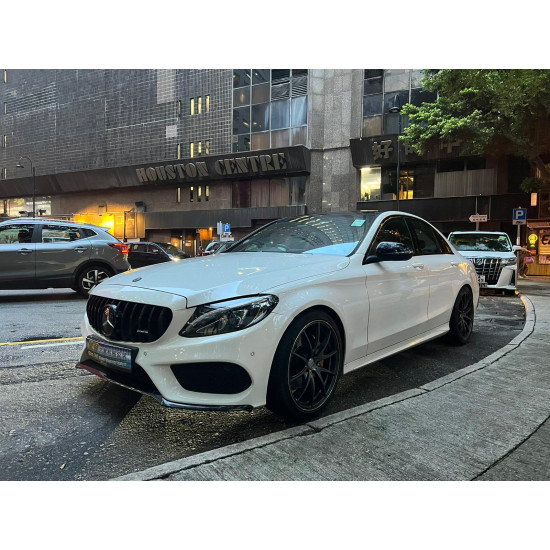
519, 216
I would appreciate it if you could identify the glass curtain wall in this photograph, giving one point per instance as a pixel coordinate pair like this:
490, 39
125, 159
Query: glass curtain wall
380, 87
269, 108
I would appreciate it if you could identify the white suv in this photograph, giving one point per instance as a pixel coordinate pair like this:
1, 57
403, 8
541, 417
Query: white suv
492, 254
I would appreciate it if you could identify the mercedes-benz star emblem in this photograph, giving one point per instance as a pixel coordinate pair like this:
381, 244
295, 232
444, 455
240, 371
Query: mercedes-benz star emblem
479, 261
108, 320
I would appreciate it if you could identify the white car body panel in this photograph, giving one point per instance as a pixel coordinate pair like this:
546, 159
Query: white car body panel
383, 308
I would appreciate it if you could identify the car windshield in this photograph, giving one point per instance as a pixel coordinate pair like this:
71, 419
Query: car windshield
481, 242
332, 234
170, 248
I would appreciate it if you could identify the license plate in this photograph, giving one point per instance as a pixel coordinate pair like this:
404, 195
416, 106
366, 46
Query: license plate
110, 355
481, 280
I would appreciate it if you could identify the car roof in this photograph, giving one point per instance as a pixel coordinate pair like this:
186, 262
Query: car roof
149, 242
53, 221
478, 232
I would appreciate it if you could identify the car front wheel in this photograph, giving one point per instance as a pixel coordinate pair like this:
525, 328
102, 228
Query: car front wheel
306, 367
90, 277
462, 317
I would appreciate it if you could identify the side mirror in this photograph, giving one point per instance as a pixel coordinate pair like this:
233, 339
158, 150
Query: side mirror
515, 248
390, 252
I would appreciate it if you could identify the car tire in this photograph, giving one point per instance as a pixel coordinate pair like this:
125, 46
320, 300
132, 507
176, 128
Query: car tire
91, 276
306, 367
462, 318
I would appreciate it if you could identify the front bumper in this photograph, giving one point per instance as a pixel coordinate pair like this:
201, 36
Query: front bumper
133, 384
505, 281
251, 350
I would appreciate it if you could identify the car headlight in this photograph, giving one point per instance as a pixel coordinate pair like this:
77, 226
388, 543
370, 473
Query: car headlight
508, 261
228, 316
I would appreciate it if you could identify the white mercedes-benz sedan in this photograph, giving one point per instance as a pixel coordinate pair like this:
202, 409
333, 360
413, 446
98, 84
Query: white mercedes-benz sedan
280, 316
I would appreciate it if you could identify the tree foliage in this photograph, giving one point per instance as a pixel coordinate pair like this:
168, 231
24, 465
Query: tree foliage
492, 111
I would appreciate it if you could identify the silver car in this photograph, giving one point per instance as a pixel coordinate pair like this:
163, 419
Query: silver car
43, 253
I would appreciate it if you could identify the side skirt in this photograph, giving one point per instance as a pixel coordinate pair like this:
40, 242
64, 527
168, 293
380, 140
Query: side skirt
402, 346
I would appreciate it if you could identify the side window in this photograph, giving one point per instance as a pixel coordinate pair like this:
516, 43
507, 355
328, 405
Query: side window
443, 244
394, 230
153, 249
425, 237
88, 232
17, 233
61, 233
139, 248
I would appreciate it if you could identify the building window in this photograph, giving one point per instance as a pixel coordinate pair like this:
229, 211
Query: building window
207, 103
4, 173
271, 104
199, 193
4, 142
178, 108
192, 106
191, 194
199, 148
191, 149
199, 109
207, 147
5, 108
178, 195
380, 86
206, 193
297, 190
178, 154
371, 183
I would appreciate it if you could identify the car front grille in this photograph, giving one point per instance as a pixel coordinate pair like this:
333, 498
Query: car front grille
131, 321
490, 267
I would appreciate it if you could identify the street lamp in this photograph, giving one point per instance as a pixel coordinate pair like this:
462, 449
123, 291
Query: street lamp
19, 165
396, 108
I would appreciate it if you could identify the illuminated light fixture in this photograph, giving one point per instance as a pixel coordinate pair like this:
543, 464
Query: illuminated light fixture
533, 199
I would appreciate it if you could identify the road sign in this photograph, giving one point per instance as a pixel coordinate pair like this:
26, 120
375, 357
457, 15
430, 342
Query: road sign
519, 216
478, 218
227, 228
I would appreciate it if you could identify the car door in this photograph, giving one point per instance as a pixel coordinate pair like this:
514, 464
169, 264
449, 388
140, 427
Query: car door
442, 267
138, 255
60, 251
17, 256
155, 254
398, 291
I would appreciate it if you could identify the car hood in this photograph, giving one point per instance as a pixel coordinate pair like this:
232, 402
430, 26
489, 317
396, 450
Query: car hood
485, 254
220, 277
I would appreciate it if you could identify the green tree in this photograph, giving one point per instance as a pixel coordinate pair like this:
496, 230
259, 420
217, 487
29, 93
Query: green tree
493, 112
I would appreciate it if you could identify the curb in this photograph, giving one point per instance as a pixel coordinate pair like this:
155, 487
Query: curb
164, 470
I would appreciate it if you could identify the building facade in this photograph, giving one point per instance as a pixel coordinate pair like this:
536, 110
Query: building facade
166, 154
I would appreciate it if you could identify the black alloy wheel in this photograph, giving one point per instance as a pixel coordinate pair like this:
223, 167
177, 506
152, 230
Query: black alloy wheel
462, 317
306, 367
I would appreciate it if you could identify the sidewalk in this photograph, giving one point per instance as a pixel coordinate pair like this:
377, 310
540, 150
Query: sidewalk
487, 421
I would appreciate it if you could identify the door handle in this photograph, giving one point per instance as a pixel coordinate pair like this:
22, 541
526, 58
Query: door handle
455, 264
24, 251
80, 249
418, 266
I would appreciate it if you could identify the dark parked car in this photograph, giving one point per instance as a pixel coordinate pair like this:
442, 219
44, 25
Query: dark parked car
142, 254
216, 247
45, 253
